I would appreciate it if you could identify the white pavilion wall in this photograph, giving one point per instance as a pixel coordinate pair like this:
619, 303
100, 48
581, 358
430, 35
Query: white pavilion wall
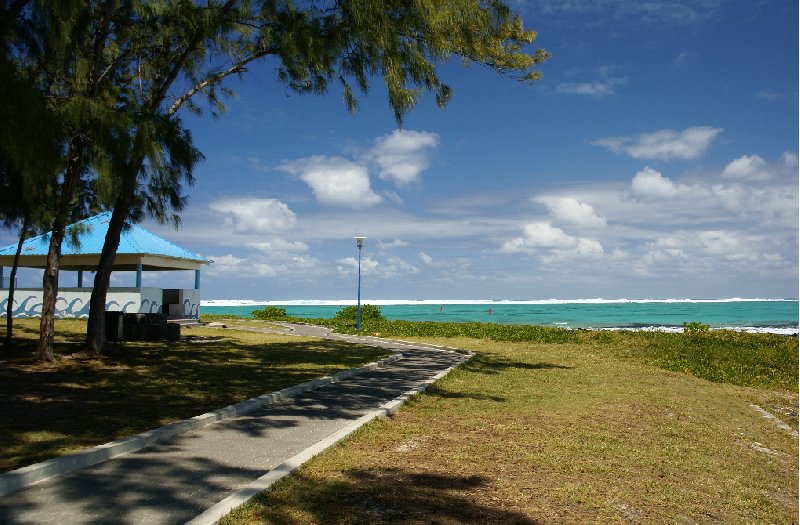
74, 302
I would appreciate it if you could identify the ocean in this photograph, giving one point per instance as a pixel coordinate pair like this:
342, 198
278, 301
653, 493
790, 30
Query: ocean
753, 315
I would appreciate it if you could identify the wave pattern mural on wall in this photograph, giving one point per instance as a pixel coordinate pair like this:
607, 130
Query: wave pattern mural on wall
76, 308
191, 310
126, 307
70, 310
23, 310
27, 304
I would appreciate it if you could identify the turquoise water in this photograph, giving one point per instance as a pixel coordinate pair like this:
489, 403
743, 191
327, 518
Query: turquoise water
779, 316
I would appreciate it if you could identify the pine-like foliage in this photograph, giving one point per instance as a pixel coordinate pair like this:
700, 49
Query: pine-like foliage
107, 79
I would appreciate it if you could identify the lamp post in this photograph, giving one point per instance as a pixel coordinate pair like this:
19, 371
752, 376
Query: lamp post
359, 245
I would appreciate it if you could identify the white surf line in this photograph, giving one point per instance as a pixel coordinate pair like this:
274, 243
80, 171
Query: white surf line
778, 423
242, 496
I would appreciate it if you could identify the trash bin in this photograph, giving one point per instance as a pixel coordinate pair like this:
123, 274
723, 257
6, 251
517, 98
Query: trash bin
113, 325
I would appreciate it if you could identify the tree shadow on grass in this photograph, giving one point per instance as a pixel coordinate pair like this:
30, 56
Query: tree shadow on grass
132, 489
492, 364
385, 495
79, 402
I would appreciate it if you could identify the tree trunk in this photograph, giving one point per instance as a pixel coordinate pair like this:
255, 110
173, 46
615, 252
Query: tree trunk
10, 304
47, 329
72, 175
95, 329
44, 350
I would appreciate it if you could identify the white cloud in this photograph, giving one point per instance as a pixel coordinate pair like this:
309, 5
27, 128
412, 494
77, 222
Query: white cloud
399, 157
229, 264
551, 241
335, 181
707, 250
393, 196
538, 235
265, 270
392, 267
649, 183
571, 211
664, 144
702, 230
514, 245
396, 224
224, 262
750, 167
251, 215
722, 243
397, 243
263, 265
396, 266
589, 247
597, 89
278, 245
789, 159
349, 265
769, 94
601, 13
730, 197
402, 155
684, 58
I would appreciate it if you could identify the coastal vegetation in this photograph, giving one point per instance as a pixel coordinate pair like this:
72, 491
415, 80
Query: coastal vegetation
542, 425
722, 356
567, 433
270, 313
545, 425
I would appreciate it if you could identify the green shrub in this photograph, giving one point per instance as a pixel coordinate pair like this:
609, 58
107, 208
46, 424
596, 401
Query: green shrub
269, 313
369, 314
695, 327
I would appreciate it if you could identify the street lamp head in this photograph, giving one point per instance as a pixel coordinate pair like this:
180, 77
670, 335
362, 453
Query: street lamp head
359, 241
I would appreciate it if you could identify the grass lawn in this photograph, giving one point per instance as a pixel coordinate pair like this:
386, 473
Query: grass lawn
598, 428
48, 410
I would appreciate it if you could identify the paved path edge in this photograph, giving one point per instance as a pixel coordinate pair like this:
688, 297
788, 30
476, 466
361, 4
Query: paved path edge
20, 478
213, 514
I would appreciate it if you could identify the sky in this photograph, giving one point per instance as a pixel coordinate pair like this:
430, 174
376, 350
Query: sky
656, 158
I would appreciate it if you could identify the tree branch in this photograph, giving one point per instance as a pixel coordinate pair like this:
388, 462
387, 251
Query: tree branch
101, 34
215, 78
161, 92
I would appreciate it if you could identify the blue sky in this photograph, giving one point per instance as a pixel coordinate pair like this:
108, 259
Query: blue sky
656, 158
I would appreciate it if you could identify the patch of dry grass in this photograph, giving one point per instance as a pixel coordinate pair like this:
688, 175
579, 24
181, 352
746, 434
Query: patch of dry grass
554, 433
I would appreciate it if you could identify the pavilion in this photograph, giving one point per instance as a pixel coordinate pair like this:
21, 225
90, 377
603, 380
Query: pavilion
139, 251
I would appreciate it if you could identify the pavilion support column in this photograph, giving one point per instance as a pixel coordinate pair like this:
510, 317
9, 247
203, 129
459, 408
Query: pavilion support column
196, 279
139, 275
1, 278
80, 278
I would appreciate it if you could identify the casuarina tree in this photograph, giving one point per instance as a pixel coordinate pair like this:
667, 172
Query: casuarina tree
132, 68
313, 44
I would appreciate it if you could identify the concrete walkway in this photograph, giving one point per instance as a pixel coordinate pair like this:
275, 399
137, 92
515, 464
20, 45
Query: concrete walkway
184, 478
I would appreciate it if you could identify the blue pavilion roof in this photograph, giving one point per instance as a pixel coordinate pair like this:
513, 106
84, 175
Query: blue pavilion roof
134, 240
